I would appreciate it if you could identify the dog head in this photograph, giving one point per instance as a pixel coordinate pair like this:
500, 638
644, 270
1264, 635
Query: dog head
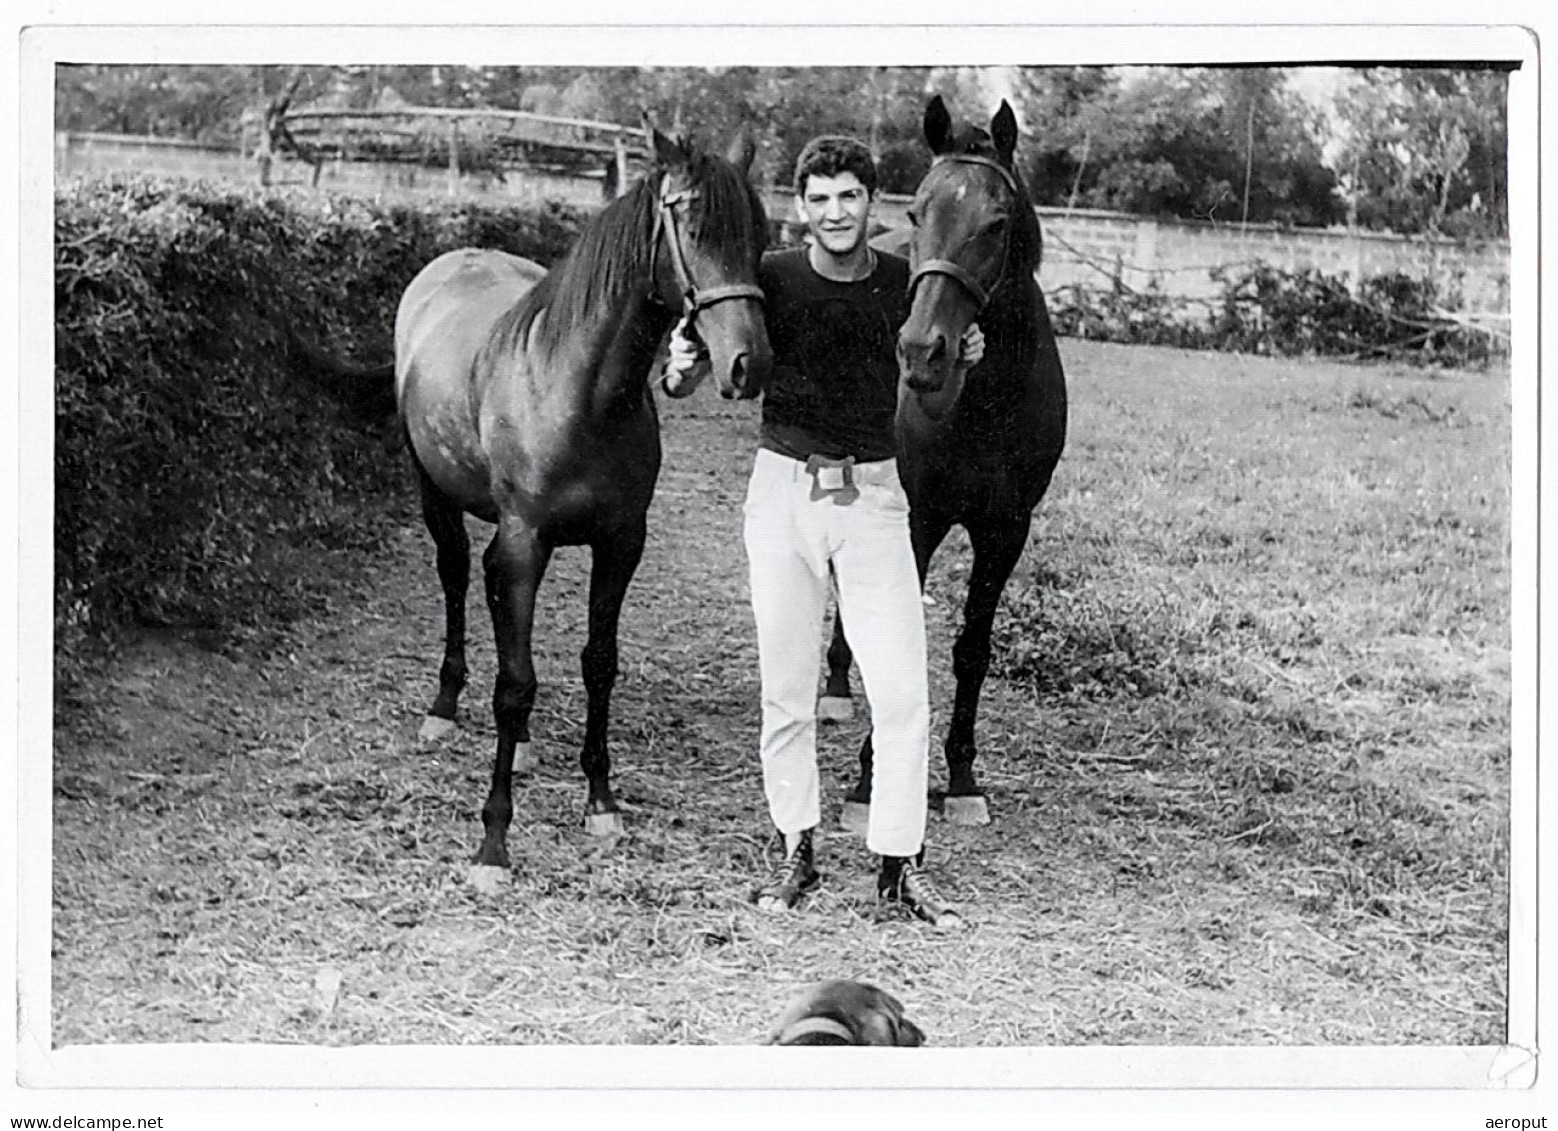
845, 1013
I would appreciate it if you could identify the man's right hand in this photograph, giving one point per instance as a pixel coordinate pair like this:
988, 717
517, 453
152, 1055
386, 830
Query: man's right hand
686, 362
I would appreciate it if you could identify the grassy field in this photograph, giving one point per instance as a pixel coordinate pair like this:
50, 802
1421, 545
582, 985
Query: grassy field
1246, 742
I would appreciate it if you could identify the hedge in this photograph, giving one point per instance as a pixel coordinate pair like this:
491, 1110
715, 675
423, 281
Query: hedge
196, 472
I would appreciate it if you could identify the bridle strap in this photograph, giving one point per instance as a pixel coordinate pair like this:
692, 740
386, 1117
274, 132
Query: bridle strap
977, 159
702, 300
693, 300
665, 221
954, 270
949, 267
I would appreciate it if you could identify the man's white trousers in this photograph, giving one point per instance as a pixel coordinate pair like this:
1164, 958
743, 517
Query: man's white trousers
791, 538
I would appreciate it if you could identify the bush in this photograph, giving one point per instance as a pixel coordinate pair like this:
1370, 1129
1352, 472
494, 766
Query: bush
194, 473
1142, 318
1266, 310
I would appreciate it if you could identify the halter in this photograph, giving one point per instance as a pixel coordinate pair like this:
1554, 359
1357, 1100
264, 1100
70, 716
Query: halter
956, 270
693, 299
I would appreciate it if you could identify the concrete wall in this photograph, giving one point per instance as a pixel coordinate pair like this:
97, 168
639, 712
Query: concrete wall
1086, 249
1178, 257
79, 155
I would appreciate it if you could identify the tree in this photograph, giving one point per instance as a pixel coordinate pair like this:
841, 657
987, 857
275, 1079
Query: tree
1426, 151
1276, 136
1421, 150
1063, 108
1218, 144
200, 103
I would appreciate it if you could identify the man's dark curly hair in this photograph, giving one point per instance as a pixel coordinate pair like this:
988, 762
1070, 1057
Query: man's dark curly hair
831, 156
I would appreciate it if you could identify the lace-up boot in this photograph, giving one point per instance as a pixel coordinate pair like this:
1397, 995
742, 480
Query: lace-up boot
903, 880
791, 878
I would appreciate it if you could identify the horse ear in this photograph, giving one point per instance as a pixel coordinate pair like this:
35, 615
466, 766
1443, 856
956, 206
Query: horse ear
667, 152
1003, 130
742, 150
938, 125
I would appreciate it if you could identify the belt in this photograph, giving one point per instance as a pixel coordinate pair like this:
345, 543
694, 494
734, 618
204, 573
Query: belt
837, 479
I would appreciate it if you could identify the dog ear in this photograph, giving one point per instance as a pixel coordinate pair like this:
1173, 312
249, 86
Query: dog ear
898, 1030
877, 1018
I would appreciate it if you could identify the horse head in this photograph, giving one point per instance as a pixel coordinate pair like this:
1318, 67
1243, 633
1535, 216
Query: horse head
972, 229
710, 232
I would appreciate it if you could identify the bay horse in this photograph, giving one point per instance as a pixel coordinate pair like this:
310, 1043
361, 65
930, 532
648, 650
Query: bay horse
975, 450
526, 400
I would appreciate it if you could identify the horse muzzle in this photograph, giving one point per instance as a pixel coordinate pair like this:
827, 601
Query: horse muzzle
746, 376
925, 362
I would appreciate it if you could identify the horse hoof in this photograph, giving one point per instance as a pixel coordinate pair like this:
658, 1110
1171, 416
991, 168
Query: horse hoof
603, 824
488, 879
854, 817
969, 810
835, 709
525, 760
435, 730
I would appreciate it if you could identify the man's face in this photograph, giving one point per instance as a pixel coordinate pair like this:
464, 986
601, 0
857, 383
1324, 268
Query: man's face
836, 211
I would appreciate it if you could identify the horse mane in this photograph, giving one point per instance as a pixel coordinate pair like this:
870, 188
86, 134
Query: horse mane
611, 258
1026, 247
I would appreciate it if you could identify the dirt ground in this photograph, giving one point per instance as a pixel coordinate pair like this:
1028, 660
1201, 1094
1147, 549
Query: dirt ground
250, 846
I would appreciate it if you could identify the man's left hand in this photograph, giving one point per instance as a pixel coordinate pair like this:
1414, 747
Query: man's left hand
971, 346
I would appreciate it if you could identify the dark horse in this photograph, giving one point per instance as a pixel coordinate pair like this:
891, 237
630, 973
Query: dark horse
977, 452
526, 400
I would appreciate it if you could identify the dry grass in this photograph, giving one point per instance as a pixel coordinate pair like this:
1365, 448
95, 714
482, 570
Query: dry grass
1248, 764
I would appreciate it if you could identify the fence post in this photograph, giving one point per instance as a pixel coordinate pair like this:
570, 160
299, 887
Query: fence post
264, 151
1146, 250
454, 158
622, 164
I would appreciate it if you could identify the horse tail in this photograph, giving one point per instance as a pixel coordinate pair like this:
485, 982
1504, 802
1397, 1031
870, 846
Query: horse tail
369, 389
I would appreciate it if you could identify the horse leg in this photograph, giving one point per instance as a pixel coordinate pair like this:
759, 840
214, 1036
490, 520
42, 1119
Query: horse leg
997, 547
836, 706
514, 563
925, 534
446, 523
855, 815
614, 560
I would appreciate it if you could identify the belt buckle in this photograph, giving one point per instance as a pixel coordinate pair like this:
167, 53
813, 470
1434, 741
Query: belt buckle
833, 478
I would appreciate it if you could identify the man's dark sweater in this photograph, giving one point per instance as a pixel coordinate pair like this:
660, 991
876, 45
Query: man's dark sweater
833, 391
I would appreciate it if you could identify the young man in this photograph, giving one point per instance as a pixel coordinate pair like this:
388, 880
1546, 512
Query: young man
824, 497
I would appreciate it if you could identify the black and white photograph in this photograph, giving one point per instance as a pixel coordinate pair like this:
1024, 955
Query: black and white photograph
569, 557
